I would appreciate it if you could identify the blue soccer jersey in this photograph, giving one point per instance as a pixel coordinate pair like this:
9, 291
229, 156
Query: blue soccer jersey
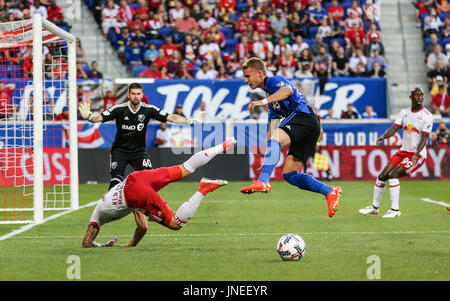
288, 107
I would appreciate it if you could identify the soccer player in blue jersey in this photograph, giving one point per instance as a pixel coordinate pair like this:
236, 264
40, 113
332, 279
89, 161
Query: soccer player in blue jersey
291, 122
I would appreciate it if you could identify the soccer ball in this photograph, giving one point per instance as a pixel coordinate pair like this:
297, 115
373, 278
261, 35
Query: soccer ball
291, 247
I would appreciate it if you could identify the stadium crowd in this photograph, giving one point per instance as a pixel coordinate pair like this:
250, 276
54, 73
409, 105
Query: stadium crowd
207, 39
433, 18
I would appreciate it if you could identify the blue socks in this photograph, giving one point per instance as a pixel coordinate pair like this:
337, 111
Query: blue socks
271, 159
306, 182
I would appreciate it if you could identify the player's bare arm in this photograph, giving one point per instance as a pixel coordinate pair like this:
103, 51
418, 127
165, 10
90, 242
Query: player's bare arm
140, 231
389, 133
283, 93
91, 234
422, 144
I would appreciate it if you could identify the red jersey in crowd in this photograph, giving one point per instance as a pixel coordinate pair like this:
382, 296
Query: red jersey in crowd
261, 26
5, 102
108, 102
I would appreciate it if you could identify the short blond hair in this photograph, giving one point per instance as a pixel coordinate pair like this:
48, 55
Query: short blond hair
255, 63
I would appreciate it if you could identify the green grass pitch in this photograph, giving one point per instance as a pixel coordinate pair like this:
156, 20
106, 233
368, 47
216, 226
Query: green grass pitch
233, 237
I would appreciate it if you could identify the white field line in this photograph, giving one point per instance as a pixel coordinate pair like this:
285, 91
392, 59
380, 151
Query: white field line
242, 234
52, 217
435, 202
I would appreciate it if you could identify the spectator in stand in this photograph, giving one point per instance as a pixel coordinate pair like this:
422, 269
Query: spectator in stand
306, 59
355, 10
202, 108
353, 19
207, 21
206, 72
323, 61
151, 72
139, 37
176, 13
152, 25
169, 48
179, 110
80, 53
369, 113
216, 35
163, 16
110, 98
143, 7
440, 81
285, 71
133, 53
433, 42
357, 63
334, 48
241, 25
440, 70
136, 24
196, 12
81, 74
209, 51
56, 15
376, 57
374, 43
187, 23
281, 48
278, 23
442, 135
261, 24
432, 23
434, 56
298, 46
189, 49
233, 63
244, 49
371, 14
302, 71
7, 106
324, 29
330, 114
154, 4
109, 18
222, 73
353, 32
126, 12
94, 73
340, 63
261, 46
317, 13
335, 14
123, 40
150, 54
174, 63
440, 103
377, 71
296, 27
349, 113
163, 136
164, 73
422, 7
315, 47
226, 5
38, 8
183, 72
161, 60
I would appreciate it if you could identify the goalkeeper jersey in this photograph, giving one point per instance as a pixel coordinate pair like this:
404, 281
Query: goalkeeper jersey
132, 126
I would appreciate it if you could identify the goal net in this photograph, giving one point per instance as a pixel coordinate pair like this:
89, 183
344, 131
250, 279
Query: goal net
38, 121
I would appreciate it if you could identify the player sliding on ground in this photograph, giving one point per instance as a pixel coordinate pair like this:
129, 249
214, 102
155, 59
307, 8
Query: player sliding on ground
138, 193
416, 122
300, 128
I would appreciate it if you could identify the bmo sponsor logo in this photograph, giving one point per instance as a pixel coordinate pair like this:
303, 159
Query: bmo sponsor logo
132, 127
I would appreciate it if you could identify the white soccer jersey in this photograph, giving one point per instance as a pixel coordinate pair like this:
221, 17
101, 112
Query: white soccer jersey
111, 206
413, 125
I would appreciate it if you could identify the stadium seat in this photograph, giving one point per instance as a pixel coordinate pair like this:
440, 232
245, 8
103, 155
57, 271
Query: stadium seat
445, 41
113, 37
241, 6
165, 31
227, 32
427, 41
158, 42
134, 5
230, 45
341, 41
137, 70
313, 31
307, 41
442, 16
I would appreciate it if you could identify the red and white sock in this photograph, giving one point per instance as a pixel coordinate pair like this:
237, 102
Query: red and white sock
378, 190
187, 210
201, 158
394, 191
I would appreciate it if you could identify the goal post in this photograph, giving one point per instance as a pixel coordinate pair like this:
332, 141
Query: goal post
38, 141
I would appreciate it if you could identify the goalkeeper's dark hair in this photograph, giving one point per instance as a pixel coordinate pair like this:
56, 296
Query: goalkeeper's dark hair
135, 86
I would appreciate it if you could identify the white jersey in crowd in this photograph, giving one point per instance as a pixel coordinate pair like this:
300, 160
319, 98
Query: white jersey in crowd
111, 206
413, 125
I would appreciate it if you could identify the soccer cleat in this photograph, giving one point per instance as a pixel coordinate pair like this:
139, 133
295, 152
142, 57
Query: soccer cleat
369, 210
392, 213
333, 200
207, 185
257, 186
229, 143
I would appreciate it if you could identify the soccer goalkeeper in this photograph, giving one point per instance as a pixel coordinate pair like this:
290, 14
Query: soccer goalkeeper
138, 193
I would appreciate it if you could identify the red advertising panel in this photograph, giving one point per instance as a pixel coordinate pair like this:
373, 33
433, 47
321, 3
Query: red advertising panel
360, 162
17, 166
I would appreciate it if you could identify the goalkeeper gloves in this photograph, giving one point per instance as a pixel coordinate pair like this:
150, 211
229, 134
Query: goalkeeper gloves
198, 118
85, 111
